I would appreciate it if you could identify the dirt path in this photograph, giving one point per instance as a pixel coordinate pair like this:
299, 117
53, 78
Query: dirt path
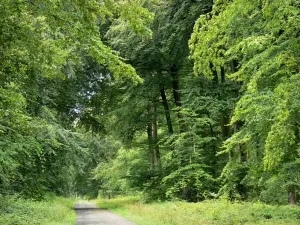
90, 214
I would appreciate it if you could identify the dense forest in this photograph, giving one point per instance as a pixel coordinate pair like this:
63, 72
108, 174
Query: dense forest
174, 99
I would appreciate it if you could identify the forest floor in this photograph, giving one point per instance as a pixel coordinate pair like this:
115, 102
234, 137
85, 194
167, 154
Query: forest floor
52, 211
88, 213
205, 213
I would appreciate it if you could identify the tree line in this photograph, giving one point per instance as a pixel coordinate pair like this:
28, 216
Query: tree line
176, 99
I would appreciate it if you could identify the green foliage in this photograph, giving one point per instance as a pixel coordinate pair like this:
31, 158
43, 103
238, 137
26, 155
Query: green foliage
154, 60
206, 212
232, 178
46, 36
265, 55
53, 211
125, 174
101, 97
117, 202
40, 157
191, 179
275, 191
256, 42
46, 48
278, 185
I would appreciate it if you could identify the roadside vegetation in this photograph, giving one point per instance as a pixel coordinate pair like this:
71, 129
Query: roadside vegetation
208, 212
54, 211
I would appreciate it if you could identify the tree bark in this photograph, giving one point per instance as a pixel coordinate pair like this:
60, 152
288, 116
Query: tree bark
222, 74
151, 155
224, 126
225, 119
236, 126
175, 83
292, 198
215, 79
177, 97
166, 108
156, 152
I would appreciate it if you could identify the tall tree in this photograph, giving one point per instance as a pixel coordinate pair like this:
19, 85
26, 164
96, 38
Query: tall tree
262, 37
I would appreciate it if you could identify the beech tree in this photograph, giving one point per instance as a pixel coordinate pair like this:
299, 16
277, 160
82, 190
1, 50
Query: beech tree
173, 99
256, 42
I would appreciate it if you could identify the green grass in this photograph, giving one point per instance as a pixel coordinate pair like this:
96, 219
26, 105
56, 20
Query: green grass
56, 211
205, 213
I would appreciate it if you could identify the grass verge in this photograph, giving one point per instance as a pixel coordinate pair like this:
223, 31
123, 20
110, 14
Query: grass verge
56, 211
204, 213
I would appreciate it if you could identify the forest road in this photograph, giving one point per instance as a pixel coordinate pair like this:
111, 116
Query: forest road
90, 214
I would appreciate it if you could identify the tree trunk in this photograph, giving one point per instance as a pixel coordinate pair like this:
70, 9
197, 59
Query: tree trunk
236, 126
224, 126
213, 153
292, 198
215, 79
176, 94
177, 97
222, 75
166, 108
151, 155
240, 153
156, 152
225, 120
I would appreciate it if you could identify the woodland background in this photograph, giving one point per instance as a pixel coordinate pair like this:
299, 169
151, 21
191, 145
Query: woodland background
174, 99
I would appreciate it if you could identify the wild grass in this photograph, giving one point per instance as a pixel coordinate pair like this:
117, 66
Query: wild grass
211, 212
54, 211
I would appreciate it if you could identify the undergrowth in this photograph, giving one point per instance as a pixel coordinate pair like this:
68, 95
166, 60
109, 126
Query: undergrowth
205, 213
52, 211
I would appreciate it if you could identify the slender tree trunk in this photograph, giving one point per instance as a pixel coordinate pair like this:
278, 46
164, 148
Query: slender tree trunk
176, 94
222, 74
166, 108
156, 152
224, 126
150, 144
241, 154
215, 79
235, 127
225, 119
213, 160
177, 97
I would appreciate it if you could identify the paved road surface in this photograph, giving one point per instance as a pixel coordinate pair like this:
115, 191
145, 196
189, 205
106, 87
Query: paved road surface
90, 214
